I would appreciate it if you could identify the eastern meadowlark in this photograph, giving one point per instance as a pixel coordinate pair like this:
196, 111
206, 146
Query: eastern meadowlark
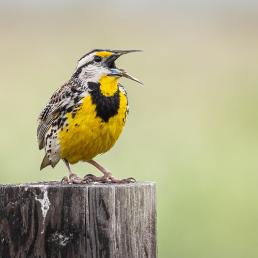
85, 116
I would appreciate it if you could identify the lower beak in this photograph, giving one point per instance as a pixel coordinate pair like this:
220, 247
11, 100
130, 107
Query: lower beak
123, 73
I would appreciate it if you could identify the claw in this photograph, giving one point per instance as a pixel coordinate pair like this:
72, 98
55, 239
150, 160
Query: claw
65, 180
123, 181
72, 179
87, 179
106, 179
128, 180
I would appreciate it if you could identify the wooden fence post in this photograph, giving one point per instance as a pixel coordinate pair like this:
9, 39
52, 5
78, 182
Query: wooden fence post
50, 219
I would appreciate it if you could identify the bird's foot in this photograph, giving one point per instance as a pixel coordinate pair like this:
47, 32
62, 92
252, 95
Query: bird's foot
72, 179
106, 178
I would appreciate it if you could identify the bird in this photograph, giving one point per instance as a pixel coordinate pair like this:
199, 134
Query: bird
86, 116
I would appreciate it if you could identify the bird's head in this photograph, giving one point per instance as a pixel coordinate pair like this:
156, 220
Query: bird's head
101, 62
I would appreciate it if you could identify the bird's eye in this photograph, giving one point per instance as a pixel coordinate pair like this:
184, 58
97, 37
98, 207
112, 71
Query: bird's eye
97, 59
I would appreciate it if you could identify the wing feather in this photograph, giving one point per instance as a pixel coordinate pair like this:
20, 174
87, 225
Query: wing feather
52, 111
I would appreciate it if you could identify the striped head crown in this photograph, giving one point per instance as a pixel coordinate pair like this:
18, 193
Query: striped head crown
101, 62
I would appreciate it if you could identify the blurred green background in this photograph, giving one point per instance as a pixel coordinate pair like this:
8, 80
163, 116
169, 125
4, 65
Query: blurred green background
193, 127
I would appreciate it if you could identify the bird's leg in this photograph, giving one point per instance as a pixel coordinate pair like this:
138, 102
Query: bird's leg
107, 177
72, 178
107, 173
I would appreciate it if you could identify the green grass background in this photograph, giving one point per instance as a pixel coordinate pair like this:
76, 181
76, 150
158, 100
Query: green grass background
192, 128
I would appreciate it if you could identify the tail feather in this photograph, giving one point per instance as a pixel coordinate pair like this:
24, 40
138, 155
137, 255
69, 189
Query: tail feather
45, 162
52, 162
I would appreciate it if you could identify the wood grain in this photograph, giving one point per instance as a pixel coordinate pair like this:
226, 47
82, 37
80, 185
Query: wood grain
93, 221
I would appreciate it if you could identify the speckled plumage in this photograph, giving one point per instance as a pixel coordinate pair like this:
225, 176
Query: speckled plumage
54, 118
85, 116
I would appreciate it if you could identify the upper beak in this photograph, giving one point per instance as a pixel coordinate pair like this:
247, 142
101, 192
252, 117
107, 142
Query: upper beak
120, 72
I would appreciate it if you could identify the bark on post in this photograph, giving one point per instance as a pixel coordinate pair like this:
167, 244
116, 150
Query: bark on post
55, 220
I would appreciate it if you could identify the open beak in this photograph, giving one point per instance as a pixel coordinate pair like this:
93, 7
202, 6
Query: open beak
110, 62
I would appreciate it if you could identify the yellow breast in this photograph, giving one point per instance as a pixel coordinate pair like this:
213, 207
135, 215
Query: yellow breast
87, 135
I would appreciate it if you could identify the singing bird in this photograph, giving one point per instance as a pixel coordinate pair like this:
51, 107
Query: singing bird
85, 116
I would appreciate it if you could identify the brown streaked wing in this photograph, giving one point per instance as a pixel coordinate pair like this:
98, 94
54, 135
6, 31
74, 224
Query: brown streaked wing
51, 112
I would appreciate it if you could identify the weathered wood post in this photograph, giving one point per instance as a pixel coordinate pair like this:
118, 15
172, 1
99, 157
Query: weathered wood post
56, 220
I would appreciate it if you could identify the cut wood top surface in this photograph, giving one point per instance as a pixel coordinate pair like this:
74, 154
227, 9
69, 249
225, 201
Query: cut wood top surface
59, 184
